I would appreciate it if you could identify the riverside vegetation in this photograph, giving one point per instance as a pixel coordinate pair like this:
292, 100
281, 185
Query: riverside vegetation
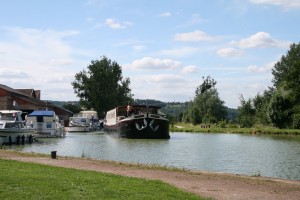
189, 127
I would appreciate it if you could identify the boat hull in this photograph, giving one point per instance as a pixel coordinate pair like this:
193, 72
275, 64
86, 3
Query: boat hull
78, 129
141, 128
9, 136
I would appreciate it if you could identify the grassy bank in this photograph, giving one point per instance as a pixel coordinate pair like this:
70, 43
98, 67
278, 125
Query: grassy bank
187, 127
35, 181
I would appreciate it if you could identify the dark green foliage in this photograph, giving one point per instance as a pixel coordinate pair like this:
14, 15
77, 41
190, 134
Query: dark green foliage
207, 84
278, 106
149, 102
73, 107
261, 106
246, 113
231, 115
287, 69
280, 109
207, 106
102, 86
284, 112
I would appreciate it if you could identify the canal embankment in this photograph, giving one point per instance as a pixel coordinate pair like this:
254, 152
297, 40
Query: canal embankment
206, 184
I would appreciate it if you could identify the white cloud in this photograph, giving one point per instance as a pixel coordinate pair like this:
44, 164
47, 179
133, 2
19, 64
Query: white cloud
286, 4
190, 69
184, 51
39, 59
6, 73
230, 52
260, 40
195, 36
163, 87
112, 23
166, 14
149, 63
263, 69
61, 61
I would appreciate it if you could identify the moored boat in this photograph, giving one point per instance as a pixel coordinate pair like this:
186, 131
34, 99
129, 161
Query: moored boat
78, 123
13, 129
93, 117
142, 122
45, 123
84, 121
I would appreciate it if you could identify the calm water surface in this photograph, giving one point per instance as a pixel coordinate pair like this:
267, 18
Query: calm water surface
271, 156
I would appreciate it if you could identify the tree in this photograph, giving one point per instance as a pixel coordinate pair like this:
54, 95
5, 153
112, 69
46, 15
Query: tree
261, 106
287, 68
246, 113
207, 84
284, 108
280, 109
280, 105
207, 106
102, 87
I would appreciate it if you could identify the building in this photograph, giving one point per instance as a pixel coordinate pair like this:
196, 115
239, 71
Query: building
28, 100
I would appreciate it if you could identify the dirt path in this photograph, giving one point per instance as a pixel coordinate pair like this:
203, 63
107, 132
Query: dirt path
215, 185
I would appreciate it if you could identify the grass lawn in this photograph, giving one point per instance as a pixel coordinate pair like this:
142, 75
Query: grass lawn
20, 180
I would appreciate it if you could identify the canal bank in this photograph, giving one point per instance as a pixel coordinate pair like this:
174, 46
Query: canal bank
215, 185
251, 155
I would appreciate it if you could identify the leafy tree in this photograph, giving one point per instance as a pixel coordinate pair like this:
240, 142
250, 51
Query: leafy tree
246, 113
287, 69
207, 84
280, 105
102, 86
286, 81
280, 109
261, 106
211, 107
207, 106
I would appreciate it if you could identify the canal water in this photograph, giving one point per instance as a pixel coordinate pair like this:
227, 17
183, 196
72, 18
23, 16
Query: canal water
253, 155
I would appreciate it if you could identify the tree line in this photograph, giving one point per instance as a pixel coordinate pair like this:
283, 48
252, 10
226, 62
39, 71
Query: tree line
102, 87
279, 105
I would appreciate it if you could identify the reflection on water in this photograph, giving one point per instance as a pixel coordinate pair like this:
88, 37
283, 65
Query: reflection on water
231, 153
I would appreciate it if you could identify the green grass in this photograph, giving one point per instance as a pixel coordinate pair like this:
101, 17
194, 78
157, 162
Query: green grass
188, 127
20, 180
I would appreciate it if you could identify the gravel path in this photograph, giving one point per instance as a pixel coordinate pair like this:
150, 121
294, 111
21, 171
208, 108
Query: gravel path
216, 185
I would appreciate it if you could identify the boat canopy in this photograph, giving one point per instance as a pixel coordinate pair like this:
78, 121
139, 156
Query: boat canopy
48, 113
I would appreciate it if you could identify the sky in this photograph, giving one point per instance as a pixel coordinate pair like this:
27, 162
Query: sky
164, 47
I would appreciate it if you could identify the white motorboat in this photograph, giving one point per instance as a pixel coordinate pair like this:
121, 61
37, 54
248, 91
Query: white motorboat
13, 129
45, 123
79, 123
84, 121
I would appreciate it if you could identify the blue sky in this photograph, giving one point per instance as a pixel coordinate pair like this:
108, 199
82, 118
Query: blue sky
165, 47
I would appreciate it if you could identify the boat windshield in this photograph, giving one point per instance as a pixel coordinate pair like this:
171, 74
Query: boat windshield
8, 116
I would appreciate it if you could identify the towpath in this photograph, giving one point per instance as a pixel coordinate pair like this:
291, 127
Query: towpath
215, 185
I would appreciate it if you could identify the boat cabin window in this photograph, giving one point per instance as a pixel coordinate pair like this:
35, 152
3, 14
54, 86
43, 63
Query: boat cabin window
39, 119
8, 116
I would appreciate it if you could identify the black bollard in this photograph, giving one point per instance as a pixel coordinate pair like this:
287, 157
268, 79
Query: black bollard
9, 140
23, 139
53, 154
18, 139
30, 139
